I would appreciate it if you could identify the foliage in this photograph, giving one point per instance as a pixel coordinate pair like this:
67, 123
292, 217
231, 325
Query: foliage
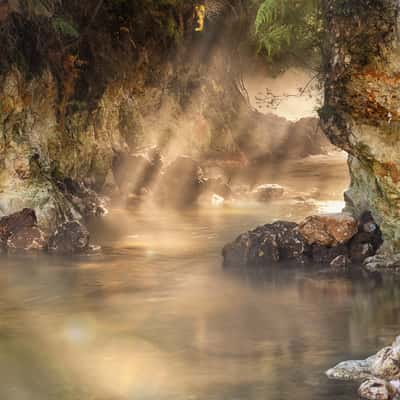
35, 8
64, 27
288, 28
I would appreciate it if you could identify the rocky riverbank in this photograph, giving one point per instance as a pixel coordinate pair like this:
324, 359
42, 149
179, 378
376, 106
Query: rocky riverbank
20, 232
379, 374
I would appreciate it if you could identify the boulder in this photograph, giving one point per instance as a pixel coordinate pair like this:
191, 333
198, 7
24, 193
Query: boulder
376, 389
337, 240
268, 192
70, 237
387, 363
181, 184
328, 229
13, 223
27, 239
269, 243
383, 365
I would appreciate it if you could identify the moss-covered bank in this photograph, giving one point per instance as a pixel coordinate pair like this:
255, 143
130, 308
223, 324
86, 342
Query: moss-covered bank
84, 82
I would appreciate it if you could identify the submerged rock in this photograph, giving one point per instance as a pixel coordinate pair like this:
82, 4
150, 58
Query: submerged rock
272, 242
70, 237
329, 229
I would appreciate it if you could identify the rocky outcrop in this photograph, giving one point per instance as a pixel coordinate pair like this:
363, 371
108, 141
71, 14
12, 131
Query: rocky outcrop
337, 240
361, 110
20, 232
43, 166
71, 126
380, 373
69, 238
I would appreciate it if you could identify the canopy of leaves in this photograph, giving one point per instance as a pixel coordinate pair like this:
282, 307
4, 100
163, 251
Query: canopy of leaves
288, 29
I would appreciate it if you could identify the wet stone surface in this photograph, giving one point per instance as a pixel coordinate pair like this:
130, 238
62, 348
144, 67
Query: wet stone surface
284, 240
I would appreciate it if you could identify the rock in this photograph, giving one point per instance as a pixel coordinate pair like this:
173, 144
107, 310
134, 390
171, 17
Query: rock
27, 239
383, 262
85, 200
376, 389
367, 241
181, 184
387, 363
70, 237
328, 229
325, 254
361, 111
351, 370
383, 365
13, 223
340, 262
269, 243
268, 192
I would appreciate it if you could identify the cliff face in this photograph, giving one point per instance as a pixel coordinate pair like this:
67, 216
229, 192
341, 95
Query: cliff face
83, 82
362, 105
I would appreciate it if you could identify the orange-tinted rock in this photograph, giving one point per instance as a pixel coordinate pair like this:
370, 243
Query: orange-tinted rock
328, 229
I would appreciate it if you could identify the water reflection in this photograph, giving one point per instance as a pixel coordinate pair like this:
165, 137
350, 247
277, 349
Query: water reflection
154, 316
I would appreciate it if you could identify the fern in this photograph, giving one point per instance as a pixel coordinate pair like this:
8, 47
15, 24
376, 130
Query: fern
287, 26
34, 8
65, 28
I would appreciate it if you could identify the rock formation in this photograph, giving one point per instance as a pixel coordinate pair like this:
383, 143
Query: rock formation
336, 239
379, 373
361, 110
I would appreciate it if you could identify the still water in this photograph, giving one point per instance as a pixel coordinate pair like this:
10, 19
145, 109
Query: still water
153, 316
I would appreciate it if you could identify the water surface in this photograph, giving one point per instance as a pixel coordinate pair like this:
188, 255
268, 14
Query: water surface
155, 317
